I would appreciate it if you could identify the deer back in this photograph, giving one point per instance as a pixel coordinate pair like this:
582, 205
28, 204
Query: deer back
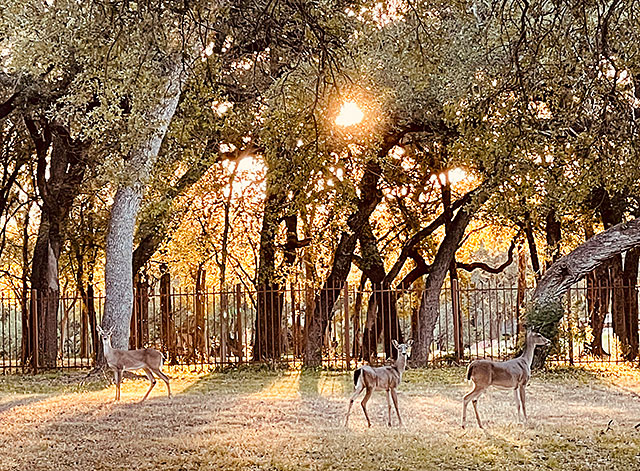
134, 359
508, 374
384, 377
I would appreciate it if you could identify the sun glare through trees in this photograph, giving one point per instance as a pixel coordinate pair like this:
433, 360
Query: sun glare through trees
350, 114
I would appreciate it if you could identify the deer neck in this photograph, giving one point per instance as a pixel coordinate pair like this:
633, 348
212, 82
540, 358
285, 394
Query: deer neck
107, 348
401, 363
528, 352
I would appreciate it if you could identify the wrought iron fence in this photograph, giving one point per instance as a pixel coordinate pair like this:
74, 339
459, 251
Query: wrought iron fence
213, 329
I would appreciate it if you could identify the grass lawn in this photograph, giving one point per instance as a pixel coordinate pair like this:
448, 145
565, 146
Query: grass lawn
253, 419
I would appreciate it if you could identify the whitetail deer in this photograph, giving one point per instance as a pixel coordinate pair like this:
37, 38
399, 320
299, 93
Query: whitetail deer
147, 359
384, 378
513, 373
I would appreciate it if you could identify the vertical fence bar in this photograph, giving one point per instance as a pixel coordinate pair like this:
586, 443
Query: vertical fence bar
569, 327
457, 325
239, 335
345, 342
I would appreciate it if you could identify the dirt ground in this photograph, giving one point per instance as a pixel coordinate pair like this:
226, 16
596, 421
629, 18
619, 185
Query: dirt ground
255, 419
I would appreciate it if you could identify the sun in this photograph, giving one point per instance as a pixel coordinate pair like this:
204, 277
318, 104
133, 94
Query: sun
349, 115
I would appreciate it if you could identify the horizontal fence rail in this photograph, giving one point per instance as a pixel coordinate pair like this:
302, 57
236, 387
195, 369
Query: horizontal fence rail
222, 328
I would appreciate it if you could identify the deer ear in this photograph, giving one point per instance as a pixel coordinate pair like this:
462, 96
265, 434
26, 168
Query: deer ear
394, 343
99, 329
410, 342
110, 333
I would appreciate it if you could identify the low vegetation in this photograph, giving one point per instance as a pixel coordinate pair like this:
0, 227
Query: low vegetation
580, 419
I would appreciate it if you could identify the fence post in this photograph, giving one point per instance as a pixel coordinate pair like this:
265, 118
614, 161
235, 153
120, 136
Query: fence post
345, 341
457, 324
569, 327
239, 327
34, 318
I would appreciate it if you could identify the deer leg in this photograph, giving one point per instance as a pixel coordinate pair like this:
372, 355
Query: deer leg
475, 408
353, 398
164, 378
153, 382
364, 404
471, 397
118, 378
394, 396
522, 400
516, 394
389, 405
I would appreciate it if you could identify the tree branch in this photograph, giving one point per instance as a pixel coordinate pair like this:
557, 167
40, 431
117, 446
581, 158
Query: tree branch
487, 268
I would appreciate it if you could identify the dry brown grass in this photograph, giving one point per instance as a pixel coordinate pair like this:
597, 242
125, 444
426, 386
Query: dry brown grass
265, 420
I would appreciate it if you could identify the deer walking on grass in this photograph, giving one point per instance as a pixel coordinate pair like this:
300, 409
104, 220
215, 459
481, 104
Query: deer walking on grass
147, 359
513, 374
383, 378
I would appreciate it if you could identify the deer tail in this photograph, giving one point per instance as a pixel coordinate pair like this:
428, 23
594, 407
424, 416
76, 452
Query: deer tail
470, 371
356, 377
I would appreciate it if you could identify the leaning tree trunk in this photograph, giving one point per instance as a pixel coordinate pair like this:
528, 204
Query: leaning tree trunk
546, 309
118, 274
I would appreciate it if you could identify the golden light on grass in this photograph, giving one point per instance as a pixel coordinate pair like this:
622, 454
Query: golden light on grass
350, 114
287, 387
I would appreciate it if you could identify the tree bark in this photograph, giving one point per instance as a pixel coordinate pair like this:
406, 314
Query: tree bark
382, 314
124, 211
200, 339
61, 164
332, 287
267, 342
546, 309
553, 228
139, 335
430, 303
168, 327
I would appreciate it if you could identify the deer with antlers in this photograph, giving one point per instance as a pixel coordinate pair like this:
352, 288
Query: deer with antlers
513, 374
383, 378
147, 359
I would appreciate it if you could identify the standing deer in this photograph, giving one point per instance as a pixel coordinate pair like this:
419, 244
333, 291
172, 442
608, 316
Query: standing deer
147, 359
384, 377
513, 373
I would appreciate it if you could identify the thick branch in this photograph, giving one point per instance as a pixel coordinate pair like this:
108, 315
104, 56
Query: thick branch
487, 268
410, 245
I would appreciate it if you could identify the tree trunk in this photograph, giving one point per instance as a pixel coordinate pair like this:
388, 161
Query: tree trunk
630, 347
531, 242
430, 303
168, 327
598, 290
546, 308
267, 342
553, 230
44, 280
200, 308
521, 291
267, 345
139, 330
382, 315
370, 196
98, 354
61, 164
118, 274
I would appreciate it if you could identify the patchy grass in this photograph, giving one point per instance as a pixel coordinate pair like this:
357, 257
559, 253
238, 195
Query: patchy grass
258, 419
